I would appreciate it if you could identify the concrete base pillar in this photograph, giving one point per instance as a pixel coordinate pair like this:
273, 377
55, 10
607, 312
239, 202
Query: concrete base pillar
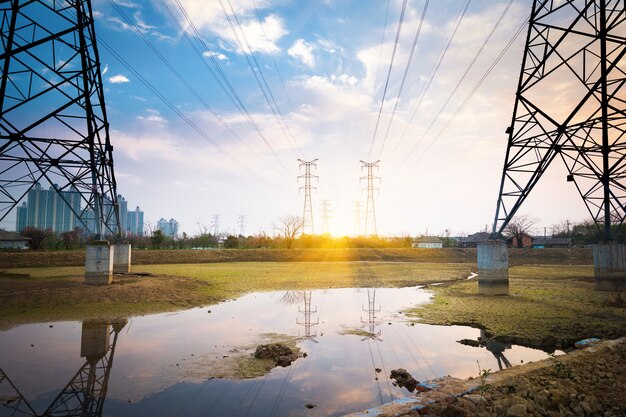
121, 258
609, 266
99, 263
493, 268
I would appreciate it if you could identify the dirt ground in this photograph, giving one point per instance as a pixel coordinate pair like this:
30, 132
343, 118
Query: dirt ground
583, 383
22, 299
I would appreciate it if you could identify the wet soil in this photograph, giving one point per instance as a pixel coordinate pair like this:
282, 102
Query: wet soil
583, 383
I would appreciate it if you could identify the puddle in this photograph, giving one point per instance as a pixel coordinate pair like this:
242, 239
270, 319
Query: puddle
183, 364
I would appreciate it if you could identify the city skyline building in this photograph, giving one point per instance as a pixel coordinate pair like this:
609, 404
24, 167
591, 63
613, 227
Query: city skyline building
168, 227
62, 211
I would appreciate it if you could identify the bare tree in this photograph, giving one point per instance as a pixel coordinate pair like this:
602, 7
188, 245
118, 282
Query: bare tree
561, 229
289, 227
520, 226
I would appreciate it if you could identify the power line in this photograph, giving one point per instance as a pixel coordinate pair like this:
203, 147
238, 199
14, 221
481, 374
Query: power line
476, 87
280, 77
226, 85
393, 55
460, 81
262, 82
406, 71
198, 97
443, 53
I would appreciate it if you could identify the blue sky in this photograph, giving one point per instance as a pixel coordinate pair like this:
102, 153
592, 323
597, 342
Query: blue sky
326, 65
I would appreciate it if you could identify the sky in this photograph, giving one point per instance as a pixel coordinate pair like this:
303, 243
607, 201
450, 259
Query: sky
245, 88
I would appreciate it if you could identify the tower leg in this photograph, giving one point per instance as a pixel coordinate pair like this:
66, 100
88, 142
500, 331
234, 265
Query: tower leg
493, 268
121, 258
99, 263
609, 266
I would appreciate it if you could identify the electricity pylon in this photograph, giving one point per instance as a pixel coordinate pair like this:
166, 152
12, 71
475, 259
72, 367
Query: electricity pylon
370, 211
325, 216
357, 218
580, 46
53, 122
215, 224
307, 212
241, 222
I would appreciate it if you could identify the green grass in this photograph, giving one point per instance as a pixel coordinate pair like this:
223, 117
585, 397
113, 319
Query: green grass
546, 302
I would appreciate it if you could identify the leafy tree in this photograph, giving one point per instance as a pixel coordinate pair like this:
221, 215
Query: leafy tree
36, 235
231, 242
157, 239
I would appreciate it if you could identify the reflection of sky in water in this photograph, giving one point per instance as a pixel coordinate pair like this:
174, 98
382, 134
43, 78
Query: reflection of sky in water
156, 354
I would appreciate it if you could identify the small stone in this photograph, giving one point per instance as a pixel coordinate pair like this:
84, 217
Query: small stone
309, 405
209, 311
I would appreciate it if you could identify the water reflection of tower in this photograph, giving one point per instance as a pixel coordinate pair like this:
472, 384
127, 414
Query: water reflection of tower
85, 393
496, 348
371, 311
307, 322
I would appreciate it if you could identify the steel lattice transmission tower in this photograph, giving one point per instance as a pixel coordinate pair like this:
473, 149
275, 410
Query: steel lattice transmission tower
580, 46
325, 216
357, 218
370, 211
307, 212
53, 123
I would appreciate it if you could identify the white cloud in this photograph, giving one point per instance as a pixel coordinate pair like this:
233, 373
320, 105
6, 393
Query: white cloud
153, 117
217, 55
303, 51
119, 79
261, 35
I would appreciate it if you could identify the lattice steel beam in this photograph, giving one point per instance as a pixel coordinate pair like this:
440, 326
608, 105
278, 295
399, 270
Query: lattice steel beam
578, 46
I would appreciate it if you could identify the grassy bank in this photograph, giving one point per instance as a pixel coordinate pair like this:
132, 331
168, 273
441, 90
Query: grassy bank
573, 256
548, 305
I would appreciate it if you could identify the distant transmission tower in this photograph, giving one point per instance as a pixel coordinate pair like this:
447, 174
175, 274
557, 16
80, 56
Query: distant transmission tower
215, 225
241, 222
53, 122
325, 216
357, 219
307, 213
370, 211
581, 45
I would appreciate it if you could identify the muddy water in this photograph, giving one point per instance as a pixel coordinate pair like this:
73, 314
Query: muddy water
185, 363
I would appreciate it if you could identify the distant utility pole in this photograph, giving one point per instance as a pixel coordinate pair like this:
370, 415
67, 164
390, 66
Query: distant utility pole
325, 216
215, 224
370, 211
357, 218
241, 222
307, 213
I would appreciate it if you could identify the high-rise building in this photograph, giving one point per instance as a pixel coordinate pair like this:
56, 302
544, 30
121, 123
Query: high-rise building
134, 222
49, 209
60, 211
168, 227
